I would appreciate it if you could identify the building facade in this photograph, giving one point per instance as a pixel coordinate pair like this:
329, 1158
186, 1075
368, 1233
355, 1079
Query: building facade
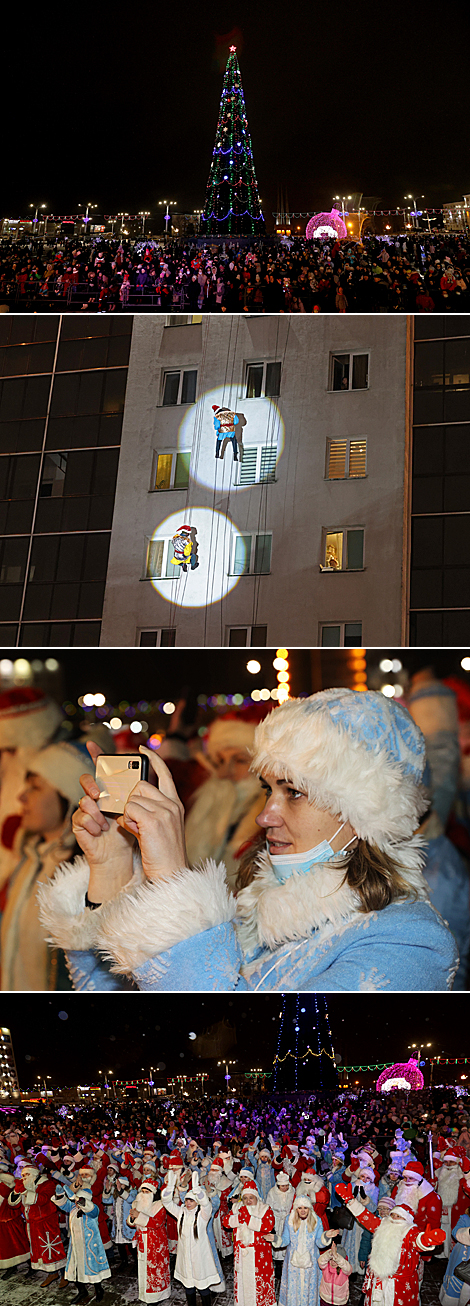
293, 528
439, 539
62, 390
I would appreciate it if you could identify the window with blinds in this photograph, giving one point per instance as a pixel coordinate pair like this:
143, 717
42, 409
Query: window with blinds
258, 464
346, 459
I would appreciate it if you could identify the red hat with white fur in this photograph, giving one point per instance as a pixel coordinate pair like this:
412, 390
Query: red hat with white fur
414, 1168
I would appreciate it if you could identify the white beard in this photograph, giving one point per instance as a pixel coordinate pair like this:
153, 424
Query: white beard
448, 1184
217, 805
386, 1248
408, 1196
310, 1189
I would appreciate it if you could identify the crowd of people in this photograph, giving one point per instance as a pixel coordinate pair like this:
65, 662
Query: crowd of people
341, 821
416, 272
312, 1194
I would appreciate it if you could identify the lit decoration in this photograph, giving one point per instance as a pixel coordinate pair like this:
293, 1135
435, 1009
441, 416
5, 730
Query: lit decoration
232, 198
185, 548
327, 226
281, 666
403, 1074
228, 428
294, 1059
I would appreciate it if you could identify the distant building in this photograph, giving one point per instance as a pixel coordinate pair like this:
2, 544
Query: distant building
9, 1086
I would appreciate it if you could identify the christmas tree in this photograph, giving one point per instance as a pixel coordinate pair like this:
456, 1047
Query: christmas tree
304, 1058
232, 201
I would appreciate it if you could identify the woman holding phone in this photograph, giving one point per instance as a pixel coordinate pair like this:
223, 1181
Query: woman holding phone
333, 897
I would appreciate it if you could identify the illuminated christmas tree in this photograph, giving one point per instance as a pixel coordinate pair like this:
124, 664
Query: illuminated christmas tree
304, 1058
232, 202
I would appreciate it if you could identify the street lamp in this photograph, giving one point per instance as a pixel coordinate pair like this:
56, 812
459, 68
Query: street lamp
36, 210
414, 212
86, 217
167, 214
342, 199
145, 213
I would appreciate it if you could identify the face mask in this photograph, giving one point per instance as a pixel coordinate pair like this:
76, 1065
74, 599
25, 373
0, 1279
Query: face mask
302, 863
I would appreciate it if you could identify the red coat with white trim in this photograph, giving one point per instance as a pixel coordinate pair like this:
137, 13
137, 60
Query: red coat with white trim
463, 1197
415, 1245
429, 1210
153, 1258
14, 1243
243, 1219
42, 1223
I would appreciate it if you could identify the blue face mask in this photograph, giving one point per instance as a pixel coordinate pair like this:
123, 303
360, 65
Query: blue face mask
302, 863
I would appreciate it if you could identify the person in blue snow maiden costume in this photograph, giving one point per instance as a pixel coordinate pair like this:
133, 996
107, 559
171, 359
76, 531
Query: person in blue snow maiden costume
86, 1260
333, 898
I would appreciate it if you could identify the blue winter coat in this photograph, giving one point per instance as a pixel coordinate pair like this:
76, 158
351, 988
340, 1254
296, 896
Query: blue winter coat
459, 1255
96, 1262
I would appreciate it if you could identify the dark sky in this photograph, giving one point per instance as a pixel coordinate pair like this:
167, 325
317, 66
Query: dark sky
123, 1033
119, 106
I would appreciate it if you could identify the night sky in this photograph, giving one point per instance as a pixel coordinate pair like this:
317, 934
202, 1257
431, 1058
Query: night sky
120, 106
124, 1033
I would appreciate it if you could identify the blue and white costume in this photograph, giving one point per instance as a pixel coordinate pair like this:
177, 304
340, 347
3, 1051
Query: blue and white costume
298, 927
86, 1259
451, 1288
301, 1275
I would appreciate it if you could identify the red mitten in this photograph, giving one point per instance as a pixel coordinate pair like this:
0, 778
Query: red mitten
345, 1191
19, 1186
433, 1237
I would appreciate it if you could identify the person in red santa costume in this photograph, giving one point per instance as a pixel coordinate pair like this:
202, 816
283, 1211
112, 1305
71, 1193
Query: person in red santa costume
415, 1191
173, 1168
148, 1217
253, 1224
35, 1192
313, 1186
14, 1244
453, 1186
392, 1275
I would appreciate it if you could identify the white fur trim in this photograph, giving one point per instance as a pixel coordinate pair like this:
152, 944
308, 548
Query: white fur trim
62, 912
269, 913
135, 927
31, 725
230, 733
340, 773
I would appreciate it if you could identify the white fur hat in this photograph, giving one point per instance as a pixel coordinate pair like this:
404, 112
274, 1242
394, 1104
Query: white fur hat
62, 765
230, 732
357, 755
27, 718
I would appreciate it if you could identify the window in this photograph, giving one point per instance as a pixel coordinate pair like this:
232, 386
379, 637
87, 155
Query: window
60, 634
247, 636
165, 637
344, 550
66, 577
171, 470
346, 459
183, 319
349, 372
258, 464
179, 388
346, 634
158, 564
263, 379
251, 555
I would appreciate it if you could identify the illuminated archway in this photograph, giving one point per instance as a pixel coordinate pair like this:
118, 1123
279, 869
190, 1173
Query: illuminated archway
404, 1074
326, 226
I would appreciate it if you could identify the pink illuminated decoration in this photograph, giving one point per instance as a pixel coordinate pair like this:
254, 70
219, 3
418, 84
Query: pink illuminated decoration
232, 49
404, 1074
326, 225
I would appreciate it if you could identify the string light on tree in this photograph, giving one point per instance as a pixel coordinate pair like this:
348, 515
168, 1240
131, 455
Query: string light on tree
296, 1063
232, 199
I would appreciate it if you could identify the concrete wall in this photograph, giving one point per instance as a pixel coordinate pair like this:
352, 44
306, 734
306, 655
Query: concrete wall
296, 598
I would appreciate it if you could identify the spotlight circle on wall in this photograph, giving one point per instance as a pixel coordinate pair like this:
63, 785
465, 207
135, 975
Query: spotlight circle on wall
211, 580
262, 428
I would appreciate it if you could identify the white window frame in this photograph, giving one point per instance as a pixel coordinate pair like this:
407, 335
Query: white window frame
328, 625
353, 353
249, 630
268, 448
254, 535
157, 453
172, 371
349, 440
260, 362
167, 541
155, 630
342, 530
